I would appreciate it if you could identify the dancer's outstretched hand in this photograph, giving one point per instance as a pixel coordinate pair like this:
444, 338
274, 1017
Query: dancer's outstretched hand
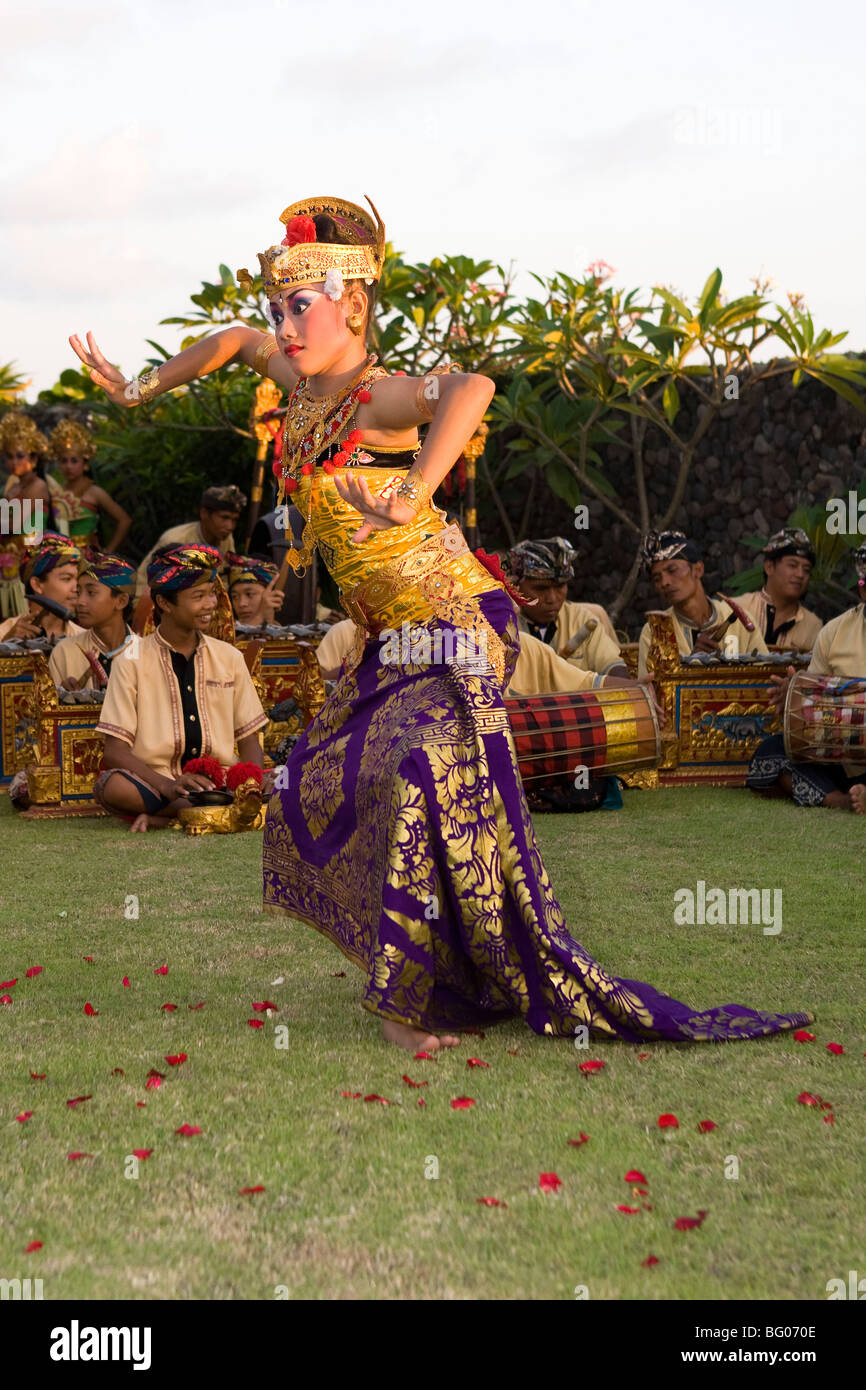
378, 513
112, 381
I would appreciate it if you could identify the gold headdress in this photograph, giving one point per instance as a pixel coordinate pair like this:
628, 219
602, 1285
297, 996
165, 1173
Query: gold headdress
18, 431
301, 260
70, 437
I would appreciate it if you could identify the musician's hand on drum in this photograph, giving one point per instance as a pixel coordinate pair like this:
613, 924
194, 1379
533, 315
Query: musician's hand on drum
377, 512
653, 696
779, 694
118, 390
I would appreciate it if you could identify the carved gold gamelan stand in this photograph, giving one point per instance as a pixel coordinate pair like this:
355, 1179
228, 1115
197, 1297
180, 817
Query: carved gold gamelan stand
67, 755
245, 813
286, 669
716, 715
17, 715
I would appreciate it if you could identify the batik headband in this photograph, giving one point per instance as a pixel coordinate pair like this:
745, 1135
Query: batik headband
180, 566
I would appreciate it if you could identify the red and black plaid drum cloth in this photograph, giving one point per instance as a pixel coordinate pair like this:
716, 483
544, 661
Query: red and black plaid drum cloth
607, 731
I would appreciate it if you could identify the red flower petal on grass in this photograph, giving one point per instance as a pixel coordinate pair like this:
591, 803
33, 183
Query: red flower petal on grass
7, 984
423, 1057
5, 998
89, 959
515, 1051
196, 1006
39, 1075
79, 1100
176, 1059
34, 970
649, 1262
118, 1071
477, 1062
806, 1098
168, 1008
421, 1101
380, 1099
24, 1116
462, 1103
826, 1105
642, 1056
153, 1072
668, 1122
706, 1125
161, 970
248, 1191
34, 1245
90, 1011
409, 1082
688, 1223
351, 1095
142, 1153
338, 975
549, 1182
490, 1202
188, 1130
576, 1143
141, 1104
473, 1033
153, 1083
591, 1066
125, 982
629, 1211
265, 1004
836, 1048
255, 1023
635, 1175
75, 1154
802, 1036
829, 1119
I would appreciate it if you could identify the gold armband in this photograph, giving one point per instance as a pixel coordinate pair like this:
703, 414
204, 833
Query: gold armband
413, 490
264, 352
428, 387
148, 386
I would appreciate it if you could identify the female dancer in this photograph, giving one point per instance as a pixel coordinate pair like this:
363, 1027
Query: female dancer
402, 832
78, 501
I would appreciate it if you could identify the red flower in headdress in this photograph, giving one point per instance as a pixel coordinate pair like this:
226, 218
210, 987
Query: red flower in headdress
299, 229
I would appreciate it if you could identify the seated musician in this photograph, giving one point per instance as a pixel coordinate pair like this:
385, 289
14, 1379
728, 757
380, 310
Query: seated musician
776, 609
580, 633
250, 583
51, 572
106, 588
839, 650
701, 623
218, 514
180, 695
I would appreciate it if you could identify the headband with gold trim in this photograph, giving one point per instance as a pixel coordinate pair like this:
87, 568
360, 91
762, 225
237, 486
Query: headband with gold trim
301, 260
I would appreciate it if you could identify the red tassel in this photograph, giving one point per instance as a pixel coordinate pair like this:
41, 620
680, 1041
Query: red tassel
491, 563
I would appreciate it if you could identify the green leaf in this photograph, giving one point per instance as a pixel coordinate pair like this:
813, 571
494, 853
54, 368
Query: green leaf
563, 482
681, 307
671, 401
709, 294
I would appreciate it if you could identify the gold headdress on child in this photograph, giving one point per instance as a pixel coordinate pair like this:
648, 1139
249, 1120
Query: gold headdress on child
302, 260
70, 437
18, 431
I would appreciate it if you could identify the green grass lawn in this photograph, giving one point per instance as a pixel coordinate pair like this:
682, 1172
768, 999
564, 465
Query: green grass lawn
347, 1210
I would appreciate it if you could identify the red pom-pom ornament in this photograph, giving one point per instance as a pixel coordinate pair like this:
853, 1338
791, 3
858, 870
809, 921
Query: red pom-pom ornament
299, 229
242, 772
276, 468
364, 396
292, 484
329, 467
208, 767
341, 458
306, 469
354, 438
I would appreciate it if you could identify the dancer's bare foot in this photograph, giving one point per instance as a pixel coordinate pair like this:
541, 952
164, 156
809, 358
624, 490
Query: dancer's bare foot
146, 822
415, 1039
858, 800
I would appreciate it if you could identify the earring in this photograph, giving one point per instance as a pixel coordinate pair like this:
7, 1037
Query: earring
355, 323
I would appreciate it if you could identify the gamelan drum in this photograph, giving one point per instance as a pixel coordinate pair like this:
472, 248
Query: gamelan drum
607, 731
825, 719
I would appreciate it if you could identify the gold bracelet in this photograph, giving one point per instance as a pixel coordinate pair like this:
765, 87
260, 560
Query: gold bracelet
148, 386
414, 490
264, 352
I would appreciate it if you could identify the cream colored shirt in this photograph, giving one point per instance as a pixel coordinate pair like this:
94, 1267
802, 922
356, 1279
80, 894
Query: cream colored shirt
142, 703
687, 634
336, 645
539, 671
598, 652
187, 534
801, 636
840, 648
69, 656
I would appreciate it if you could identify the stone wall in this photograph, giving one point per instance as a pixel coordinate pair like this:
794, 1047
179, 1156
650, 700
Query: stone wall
774, 449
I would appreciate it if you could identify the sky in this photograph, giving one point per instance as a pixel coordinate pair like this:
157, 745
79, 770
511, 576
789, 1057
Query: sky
143, 144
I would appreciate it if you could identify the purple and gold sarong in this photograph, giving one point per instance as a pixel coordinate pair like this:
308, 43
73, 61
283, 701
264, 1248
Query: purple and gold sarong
404, 836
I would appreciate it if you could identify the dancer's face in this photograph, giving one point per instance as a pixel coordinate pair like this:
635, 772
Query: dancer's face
310, 328
71, 467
